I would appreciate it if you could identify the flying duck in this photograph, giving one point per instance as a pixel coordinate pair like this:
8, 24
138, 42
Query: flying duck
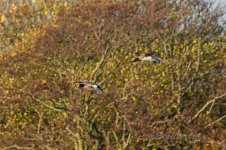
90, 86
148, 57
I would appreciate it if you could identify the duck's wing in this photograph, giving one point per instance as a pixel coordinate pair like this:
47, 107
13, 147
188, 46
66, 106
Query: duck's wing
97, 87
153, 59
150, 54
156, 60
99, 90
84, 83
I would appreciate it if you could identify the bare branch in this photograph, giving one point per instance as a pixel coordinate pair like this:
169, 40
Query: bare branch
18, 147
218, 120
78, 140
159, 122
100, 63
47, 105
204, 107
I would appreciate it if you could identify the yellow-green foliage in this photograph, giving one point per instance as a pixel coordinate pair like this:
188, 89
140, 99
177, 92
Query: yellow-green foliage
145, 105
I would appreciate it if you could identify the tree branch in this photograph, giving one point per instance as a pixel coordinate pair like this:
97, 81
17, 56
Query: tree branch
100, 63
204, 107
47, 105
18, 147
218, 120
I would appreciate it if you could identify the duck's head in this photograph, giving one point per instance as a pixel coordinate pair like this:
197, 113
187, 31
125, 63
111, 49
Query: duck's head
135, 60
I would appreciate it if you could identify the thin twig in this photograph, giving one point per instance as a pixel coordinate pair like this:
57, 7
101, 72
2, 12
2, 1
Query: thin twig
204, 107
47, 105
159, 122
100, 63
39, 122
79, 143
17, 147
95, 33
221, 118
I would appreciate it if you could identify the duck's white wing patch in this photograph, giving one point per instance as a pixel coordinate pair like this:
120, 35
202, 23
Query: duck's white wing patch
148, 58
94, 86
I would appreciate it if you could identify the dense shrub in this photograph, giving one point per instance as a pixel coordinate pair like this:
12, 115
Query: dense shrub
179, 103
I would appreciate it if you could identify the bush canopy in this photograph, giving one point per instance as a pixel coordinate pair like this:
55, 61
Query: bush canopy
47, 46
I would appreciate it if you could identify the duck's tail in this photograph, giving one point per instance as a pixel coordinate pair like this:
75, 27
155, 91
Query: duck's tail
157, 60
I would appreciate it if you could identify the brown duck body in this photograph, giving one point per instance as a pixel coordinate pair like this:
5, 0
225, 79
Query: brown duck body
148, 57
90, 86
